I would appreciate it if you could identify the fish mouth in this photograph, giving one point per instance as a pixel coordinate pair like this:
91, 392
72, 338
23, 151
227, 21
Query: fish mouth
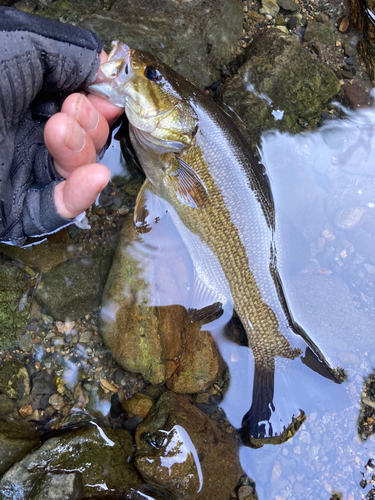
117, 65
112, 74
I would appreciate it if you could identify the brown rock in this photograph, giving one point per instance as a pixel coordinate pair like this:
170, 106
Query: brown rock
139, 405
356, 96
159, 341
184, 452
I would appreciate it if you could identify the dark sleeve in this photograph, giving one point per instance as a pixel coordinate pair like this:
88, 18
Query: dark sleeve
37, 55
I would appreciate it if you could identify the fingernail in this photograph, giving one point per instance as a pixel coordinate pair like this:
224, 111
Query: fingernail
86, 114
75, 136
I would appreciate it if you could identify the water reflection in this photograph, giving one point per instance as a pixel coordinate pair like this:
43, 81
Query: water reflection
313, 177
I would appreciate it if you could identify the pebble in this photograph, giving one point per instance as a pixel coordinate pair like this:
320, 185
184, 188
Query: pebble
85, 337
276, 472
348, 358
244, 492
356, 96
290, 5
25, 342
348, 219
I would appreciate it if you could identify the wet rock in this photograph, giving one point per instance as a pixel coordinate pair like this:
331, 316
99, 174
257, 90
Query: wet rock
16, 441
269, 92
193, 37
290, 5
322, 32
58, 487
269, 7
102, 457
160, 342
138, 405
25, 342
42, 389
14, 380
44, 256
71, 289
14, 302
199, 363
356, 97
363, 20
6, 405
184, 452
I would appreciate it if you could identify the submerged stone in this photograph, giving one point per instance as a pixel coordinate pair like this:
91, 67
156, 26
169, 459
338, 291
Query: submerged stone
193, 37
160, 342
102, 457
322, 32
280, 86
138, 405
16, 440
181, 450
71, 289
14, 302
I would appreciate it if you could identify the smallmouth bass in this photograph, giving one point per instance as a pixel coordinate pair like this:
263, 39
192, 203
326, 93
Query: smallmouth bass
219, 197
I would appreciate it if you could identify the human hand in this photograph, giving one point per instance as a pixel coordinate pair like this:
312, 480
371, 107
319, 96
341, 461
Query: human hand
47, 176
74, 137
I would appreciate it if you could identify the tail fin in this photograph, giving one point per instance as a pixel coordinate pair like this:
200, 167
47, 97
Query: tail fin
256, 421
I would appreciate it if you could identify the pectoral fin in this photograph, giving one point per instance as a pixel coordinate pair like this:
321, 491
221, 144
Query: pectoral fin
206, 314
149, 207
187, 185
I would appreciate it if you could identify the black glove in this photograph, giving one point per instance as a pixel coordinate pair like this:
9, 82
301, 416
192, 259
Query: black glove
38, 58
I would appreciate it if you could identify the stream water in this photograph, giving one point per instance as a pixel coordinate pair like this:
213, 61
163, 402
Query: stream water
323, 184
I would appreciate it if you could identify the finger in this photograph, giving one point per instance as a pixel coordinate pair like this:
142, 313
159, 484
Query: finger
80, 190
103, 57
110, 112
68, 144
92, 121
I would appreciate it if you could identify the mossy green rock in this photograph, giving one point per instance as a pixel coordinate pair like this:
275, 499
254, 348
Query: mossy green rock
280, 86
322, 32
71, 289
14, 302
16, 441
14, 380
70, 12
102, 458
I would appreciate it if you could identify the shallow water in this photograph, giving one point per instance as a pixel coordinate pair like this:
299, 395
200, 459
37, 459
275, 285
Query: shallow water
334, 164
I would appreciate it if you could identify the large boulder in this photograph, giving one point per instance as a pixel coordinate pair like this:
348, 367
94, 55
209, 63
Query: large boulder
16, 441
194, 37
280, 86
98, 460
181, 450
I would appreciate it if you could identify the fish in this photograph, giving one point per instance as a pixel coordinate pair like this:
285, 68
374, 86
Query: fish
219, 196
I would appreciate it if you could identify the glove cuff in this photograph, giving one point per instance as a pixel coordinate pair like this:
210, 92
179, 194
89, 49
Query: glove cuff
39, 215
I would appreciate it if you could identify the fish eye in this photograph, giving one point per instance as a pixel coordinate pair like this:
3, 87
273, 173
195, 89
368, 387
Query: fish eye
152, 73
